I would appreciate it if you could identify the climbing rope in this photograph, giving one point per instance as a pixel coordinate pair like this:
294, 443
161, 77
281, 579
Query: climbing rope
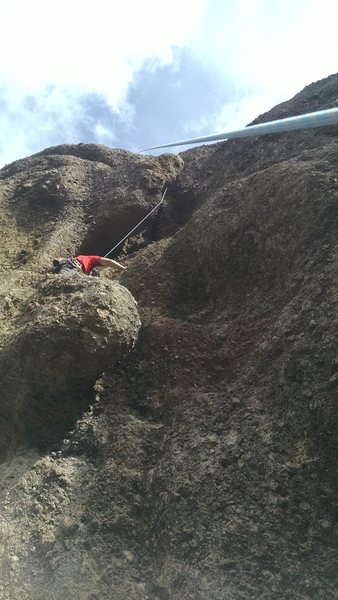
140, 223
320, 118
310, 120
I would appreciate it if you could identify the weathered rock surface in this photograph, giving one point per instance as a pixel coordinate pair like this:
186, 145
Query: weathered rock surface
204, 466
76, 328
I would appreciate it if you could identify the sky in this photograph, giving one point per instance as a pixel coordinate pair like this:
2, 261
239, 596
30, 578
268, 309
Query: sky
136, 73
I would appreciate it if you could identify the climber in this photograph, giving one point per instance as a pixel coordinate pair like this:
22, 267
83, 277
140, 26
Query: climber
83, 263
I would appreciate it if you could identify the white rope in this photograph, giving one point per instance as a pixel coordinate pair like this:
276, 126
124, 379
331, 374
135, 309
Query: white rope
140, 223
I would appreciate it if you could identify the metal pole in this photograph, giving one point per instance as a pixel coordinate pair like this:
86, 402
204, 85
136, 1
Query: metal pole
310, 120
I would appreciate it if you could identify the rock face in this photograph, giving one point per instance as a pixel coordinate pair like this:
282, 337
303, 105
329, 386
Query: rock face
201, 464
76, 327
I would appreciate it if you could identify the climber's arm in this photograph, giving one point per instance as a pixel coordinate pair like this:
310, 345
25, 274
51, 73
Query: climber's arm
109, 262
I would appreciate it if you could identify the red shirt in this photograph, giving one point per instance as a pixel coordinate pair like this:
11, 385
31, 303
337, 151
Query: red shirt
88, 262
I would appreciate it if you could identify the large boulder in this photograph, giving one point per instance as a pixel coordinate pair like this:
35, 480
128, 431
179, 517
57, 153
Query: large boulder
75, 329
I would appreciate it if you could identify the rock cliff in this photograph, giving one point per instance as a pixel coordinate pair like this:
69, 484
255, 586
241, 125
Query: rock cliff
170, 433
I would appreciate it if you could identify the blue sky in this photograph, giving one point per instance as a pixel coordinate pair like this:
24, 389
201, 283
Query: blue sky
136, 73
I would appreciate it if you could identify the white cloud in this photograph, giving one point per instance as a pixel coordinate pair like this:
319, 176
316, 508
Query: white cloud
265, 51
90, 46
57, 52
269, 50
102, 132
31, 121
